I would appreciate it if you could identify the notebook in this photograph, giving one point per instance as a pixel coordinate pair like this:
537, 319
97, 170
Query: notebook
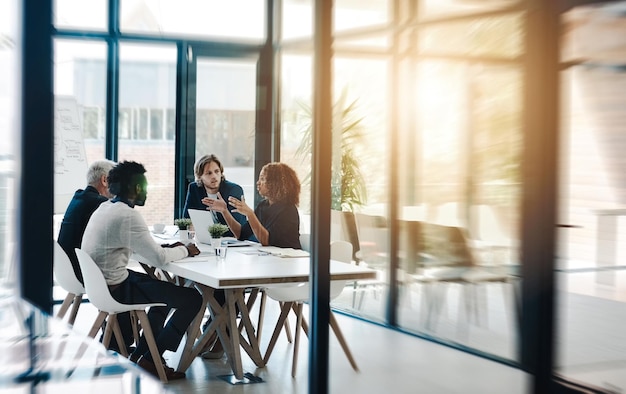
201, 221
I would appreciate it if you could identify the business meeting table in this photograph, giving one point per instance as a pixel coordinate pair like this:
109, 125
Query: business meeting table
244, 267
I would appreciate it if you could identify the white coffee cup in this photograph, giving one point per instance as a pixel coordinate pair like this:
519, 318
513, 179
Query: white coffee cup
158, 228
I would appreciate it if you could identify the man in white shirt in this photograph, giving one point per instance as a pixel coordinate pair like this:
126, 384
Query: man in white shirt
115, 231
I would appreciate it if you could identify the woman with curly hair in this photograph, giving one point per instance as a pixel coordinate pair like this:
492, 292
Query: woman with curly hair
275, 221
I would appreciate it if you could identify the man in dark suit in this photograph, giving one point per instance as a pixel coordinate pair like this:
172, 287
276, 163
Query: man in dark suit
82, 205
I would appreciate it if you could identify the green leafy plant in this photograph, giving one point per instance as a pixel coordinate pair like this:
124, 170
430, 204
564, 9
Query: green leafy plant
217, 230
347, 184
182, 223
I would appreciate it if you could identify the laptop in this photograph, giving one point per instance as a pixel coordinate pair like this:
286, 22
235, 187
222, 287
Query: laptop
201, 221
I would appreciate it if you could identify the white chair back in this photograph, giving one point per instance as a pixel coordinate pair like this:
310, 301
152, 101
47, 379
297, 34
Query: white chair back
97, 289
64, 272
305, 242
340, 251
100, 296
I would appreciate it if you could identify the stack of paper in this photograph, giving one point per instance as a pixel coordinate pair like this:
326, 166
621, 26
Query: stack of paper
283, 252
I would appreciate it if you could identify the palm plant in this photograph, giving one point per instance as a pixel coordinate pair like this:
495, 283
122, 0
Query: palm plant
347, 184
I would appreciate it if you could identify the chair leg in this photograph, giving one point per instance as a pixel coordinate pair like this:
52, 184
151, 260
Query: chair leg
154, 351
134, 322
287, 328
304, 325
65, 305
108, 331
97, 324
284, 312
342, 341
75, 305
121, 344
259, 324
296, 344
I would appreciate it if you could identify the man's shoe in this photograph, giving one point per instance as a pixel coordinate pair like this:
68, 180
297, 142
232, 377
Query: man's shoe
149, 367
134, 357
212, 354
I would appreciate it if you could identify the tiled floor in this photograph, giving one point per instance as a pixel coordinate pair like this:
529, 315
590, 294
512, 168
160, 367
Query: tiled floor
389, 361
590, 348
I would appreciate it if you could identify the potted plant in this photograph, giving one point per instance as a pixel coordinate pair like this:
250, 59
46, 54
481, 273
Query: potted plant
217, 231
348, 188
183, 228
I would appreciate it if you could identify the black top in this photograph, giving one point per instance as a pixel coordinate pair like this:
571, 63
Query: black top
77, 214
281, 220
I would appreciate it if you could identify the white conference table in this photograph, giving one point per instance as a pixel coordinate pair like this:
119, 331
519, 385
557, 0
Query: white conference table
243, 267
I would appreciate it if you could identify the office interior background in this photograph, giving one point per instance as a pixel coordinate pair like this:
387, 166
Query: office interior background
499, 119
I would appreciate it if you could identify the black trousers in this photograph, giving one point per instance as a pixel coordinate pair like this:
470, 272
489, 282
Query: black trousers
140, 288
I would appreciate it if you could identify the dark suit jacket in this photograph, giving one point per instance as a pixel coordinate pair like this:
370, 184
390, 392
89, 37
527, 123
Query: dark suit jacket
195, 194
75, 220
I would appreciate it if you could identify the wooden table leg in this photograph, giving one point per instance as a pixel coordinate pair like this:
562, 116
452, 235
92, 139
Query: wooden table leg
188, 353
234, 355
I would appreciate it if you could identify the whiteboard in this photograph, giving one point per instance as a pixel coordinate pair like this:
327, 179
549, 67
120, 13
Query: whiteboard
70, 160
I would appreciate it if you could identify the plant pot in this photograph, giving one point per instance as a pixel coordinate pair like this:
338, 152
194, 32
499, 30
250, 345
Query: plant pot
183, 235
216, 242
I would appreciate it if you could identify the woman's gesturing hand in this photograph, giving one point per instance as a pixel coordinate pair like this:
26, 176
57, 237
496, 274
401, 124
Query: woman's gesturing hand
240, 206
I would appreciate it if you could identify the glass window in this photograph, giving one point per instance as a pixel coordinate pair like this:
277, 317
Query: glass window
442, 8
360, 151
233, 19
296, 98
463, 210
350, 14
297, 21
81, 15
493, 36
147, 90
225, 116
360, 184
80, 73
80, 99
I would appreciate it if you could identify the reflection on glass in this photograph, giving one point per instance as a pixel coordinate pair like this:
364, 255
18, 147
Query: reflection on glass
232, 19
80, 14
458, 232
147, 105
64, 359
492, 36
225, 117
